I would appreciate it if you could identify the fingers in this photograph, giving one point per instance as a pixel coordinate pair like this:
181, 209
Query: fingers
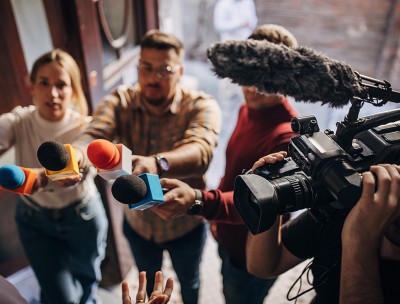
387, 192
158, 281
158, 296
383, 180
169, 183
141, 294
392, 189
169, 287
368, 186
159, 299
269, 159
126, 299
70, 181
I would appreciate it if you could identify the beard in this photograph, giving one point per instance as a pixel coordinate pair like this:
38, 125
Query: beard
153, 95
154, 101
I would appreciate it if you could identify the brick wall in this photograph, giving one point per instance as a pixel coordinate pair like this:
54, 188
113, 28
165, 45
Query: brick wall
363, 33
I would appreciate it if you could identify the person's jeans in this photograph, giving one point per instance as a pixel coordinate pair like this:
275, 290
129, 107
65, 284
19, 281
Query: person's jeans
185, 253
65, 248
239, 286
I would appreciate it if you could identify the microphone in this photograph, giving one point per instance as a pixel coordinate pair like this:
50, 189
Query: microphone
301, 72
139, 192
58, 160
17, 179
110, 160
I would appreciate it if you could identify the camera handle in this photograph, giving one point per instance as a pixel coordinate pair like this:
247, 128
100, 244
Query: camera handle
347, 129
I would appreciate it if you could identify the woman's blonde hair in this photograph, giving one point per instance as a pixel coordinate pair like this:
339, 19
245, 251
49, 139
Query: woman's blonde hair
71, 67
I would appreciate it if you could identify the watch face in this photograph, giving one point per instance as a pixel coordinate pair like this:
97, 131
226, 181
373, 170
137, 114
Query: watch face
196, 209
164, 164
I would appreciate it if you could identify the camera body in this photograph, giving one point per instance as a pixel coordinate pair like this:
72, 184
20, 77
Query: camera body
323, 172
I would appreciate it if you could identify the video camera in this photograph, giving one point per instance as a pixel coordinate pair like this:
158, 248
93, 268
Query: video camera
323, 172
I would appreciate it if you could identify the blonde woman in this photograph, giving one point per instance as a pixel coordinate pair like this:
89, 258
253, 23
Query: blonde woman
62, 229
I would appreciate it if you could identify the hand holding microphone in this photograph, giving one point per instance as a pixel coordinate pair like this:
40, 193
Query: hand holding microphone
18, 179
139, 192
59, 161
178, 200
111, 160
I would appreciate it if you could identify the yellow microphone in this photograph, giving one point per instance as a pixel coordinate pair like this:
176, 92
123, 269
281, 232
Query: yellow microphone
58, 160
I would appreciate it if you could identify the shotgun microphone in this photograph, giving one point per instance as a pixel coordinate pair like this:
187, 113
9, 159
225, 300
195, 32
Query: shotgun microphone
300, 72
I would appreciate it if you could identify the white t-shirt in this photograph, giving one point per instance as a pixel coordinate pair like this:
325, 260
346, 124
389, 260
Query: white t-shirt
24, 129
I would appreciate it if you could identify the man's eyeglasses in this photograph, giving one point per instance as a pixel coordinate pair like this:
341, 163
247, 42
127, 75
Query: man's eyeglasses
161, 72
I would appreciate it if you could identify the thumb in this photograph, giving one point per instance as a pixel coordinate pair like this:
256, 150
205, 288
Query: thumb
169, 183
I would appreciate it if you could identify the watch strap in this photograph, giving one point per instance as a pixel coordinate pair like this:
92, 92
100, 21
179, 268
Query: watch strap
197, 207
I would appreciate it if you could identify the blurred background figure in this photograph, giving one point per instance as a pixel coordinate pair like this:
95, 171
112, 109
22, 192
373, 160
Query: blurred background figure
234, 19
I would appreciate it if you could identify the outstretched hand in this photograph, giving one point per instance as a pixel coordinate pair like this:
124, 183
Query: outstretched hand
158, 296
179, 197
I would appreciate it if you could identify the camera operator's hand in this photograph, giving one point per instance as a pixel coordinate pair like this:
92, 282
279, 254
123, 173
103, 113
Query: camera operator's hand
269, 159
266, 255
376, 210
363, 235
177, 200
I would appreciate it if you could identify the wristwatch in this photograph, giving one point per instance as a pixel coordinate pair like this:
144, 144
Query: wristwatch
162, 164
197, 207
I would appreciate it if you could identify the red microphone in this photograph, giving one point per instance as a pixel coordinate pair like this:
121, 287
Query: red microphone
111, 160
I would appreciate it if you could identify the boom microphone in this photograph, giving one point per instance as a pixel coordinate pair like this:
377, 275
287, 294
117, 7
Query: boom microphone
17, 179
300, 72
139, 192
110, 160
58, 160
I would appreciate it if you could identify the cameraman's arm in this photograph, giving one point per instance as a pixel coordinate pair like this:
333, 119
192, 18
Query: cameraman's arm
266, 255
363, 232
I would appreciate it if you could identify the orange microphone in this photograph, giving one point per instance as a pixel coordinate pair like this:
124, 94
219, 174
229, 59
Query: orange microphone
111, 160
58, 160
17, 179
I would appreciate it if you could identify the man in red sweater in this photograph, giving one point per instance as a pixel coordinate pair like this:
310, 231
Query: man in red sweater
263, 127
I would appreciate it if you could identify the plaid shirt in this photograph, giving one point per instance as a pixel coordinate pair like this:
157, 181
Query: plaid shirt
194, 118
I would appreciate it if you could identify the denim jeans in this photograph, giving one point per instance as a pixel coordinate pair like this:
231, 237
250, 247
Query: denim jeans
65, 248
239, 286
185, 253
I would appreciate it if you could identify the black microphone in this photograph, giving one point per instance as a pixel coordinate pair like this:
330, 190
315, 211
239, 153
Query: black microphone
58, 160
139, 192
300, 72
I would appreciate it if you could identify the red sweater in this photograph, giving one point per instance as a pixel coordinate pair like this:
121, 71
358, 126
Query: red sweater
257, 133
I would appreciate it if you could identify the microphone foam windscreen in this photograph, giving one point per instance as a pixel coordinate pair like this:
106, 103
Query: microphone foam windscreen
53, 156
129, 189
11, 177
103, 154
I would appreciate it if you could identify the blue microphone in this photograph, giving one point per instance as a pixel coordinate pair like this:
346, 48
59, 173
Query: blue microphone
138, 192
11, 177
17, 179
